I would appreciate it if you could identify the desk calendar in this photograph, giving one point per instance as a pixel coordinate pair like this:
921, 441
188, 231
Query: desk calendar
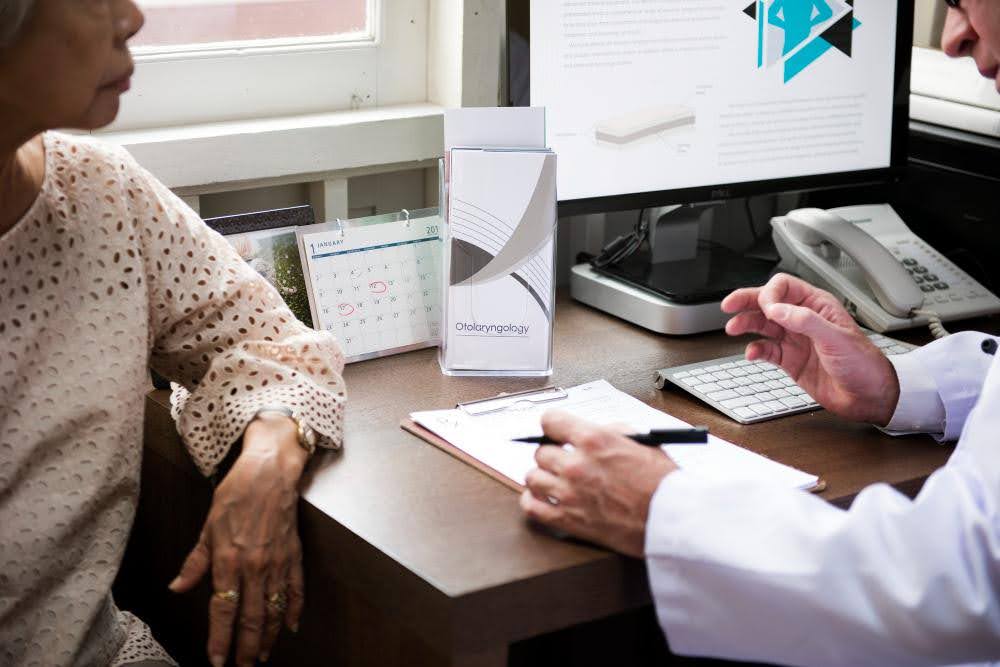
376, 287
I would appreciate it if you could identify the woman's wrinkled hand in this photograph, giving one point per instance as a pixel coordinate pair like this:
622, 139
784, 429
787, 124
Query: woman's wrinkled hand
250, 542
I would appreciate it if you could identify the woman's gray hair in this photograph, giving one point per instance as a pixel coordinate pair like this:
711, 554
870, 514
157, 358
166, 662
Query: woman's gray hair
12, 16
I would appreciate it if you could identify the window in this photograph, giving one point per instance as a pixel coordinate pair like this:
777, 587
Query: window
173, 23
203, 61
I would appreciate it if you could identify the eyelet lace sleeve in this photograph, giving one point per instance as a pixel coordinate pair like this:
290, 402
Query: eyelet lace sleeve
223, 334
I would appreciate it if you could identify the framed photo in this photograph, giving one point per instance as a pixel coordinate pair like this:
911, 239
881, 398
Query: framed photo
267, 242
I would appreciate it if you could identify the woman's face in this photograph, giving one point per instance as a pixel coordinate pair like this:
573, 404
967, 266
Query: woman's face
70, 64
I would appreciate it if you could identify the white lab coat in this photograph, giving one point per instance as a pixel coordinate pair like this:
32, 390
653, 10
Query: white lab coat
748, 571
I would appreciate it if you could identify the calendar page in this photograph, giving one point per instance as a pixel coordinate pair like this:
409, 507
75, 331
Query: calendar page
377, 288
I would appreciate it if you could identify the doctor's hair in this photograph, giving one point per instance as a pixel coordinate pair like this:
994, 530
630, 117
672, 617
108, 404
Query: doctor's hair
12, 16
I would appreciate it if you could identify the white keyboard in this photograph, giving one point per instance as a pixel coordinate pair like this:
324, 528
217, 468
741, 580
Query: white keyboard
752, 391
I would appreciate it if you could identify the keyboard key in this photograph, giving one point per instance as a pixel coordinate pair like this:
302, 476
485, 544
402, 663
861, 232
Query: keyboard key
727, 384
774, 375
714, 369
739, 402
692, 381
780, 393
722, 375
728, 365
774, 384
764, 366
682, 374
793, 402
757, 377
743, 362
724, 395
775, 406
765, 396
708, 388
745, 413
787, 382
737, 372
796, 390
761, 409
746, 391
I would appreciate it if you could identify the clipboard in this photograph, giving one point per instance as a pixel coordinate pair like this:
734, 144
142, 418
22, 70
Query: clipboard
480, 407
489, 452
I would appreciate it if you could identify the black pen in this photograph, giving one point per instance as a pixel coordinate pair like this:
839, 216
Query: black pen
668, 436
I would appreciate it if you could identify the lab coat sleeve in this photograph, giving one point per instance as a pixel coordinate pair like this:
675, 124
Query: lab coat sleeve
752, 572
938, 385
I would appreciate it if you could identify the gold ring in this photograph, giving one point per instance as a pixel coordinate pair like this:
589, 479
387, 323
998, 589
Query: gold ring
229, 596
278, 602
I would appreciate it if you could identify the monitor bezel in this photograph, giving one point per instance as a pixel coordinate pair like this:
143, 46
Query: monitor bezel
726, 191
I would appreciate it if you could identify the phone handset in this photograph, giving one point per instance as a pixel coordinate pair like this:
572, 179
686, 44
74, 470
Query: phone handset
829, 234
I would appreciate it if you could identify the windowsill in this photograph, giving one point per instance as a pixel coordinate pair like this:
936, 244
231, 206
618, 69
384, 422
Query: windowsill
310, 146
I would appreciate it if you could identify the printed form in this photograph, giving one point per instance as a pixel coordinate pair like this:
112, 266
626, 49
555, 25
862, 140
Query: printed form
487, 430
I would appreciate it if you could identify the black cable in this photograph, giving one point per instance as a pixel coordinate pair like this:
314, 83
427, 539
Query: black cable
624, 246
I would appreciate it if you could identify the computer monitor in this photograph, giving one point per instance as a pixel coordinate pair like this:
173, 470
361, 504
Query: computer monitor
654, 102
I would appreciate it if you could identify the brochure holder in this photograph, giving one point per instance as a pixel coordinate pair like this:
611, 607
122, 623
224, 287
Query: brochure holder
499, 262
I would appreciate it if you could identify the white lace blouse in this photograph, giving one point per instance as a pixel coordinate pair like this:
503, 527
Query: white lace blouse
109, 273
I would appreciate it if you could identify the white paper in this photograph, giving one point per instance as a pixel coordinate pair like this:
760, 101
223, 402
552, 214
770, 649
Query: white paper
489, 437
481, 127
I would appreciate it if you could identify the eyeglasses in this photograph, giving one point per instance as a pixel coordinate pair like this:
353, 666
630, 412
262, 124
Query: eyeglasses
954, 4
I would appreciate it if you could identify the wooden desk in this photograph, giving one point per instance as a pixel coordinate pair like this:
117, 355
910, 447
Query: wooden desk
416, 558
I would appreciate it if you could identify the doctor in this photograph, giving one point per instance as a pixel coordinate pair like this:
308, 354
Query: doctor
749, 572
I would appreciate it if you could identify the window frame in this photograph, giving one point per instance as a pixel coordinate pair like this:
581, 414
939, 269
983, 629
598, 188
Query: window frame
192, 85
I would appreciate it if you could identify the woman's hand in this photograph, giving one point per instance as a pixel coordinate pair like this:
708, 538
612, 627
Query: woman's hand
251, 543
810, 335
600, 490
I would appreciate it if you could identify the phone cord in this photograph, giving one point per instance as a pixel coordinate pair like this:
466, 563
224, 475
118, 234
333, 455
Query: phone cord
933, 323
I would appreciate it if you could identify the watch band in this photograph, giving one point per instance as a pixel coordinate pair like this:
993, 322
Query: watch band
307, 436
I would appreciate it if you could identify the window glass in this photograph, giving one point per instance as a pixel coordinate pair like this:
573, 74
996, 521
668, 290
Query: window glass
172, 23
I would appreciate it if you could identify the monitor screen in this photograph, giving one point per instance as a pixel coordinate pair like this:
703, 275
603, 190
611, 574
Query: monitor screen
665, 101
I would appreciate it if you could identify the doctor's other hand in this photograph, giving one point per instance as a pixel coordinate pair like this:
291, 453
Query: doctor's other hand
600, 489
813, 338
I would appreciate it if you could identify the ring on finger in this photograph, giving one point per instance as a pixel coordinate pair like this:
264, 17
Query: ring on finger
230, 595
278, 602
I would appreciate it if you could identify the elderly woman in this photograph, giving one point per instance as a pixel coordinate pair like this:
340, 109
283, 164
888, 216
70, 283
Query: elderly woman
105, 273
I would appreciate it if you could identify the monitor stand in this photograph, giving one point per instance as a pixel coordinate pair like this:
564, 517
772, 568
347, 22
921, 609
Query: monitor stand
676, 288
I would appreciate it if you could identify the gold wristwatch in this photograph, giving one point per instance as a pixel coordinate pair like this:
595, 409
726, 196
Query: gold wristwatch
308, 438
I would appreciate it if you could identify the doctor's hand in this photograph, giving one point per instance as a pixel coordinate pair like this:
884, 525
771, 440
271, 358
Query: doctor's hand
812, 338
600, 489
